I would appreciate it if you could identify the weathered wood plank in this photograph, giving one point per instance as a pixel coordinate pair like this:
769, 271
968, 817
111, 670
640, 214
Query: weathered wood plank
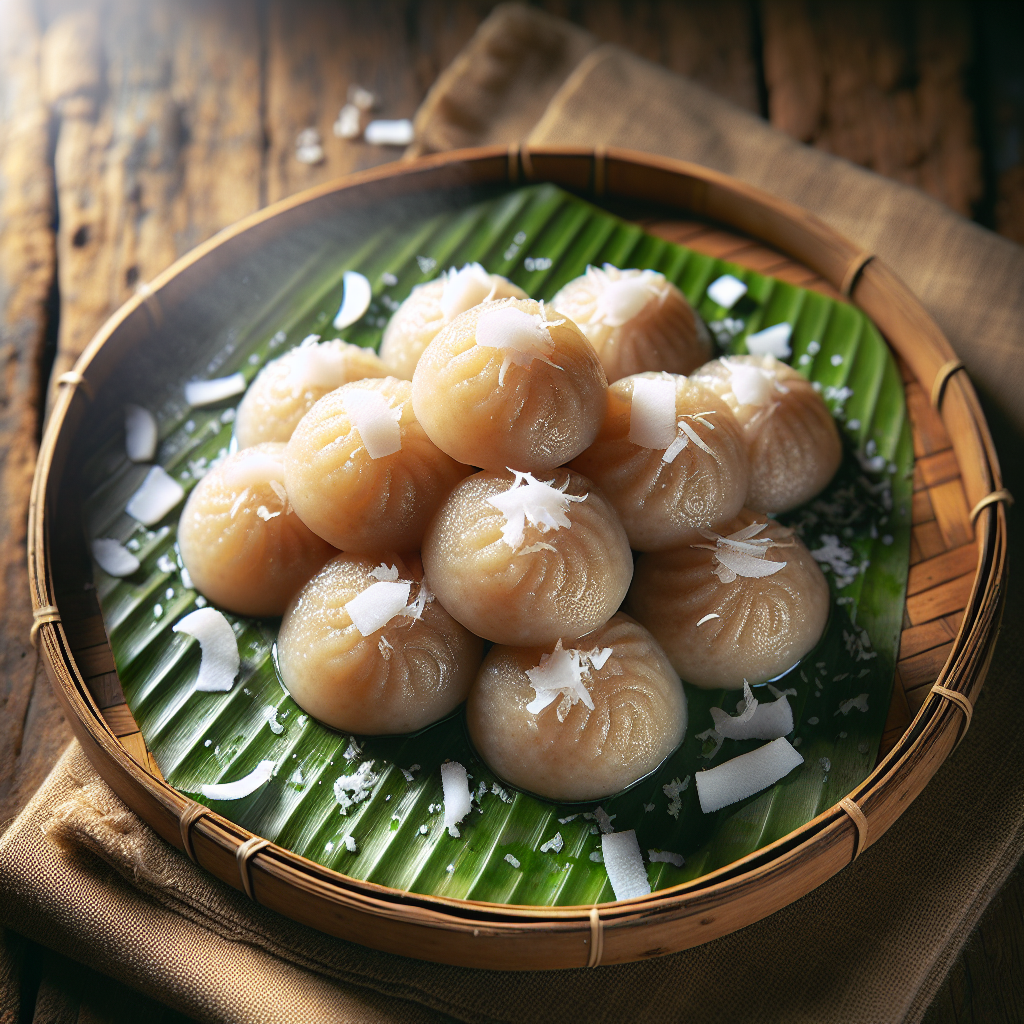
942, 600
929, 634
951, 563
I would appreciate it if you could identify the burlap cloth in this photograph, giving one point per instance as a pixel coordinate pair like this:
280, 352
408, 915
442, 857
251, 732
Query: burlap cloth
80, 873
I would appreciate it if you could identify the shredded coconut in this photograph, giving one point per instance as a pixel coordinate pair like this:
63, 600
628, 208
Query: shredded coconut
726, 291
457, 801
673, 791
350, 790
532, 501
270, 715
860, 702
742, 553
677, 860
553, 845
114, 559
209, 392
625, 865
512, 860
522, 336
375, 607
157, 496
140, 433
243, 787
562, 673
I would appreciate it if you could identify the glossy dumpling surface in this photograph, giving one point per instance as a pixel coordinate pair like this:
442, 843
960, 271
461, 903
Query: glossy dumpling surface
430, 306
370, 667
286, 388
362, 473
792, 439
510, 383
671, 458
615, 709
525, 561
721, 609
636, 320
240, 539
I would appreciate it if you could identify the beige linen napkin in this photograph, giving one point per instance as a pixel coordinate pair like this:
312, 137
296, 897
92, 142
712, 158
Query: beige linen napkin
80, 873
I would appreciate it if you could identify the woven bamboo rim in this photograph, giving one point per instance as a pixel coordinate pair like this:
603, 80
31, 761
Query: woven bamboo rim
520, 937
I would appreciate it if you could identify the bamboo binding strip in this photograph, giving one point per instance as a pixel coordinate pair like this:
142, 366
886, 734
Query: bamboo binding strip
243, 855
596, 938
860, 820
990, 499
961, 701
48, 613
946, 371
75, 380
853, 272
189, 816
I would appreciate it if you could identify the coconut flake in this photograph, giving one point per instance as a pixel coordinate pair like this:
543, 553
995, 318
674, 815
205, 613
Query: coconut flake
619, 301
708, 618
860, 702
317, 366
259, 776
464, 289
673, 790
376, 606
385, 573
208, 392
389, 133
677, 860
158, 494
531, 500
604, 819
349, 123
553, 845
270, 714
758, 721
514, 861
742, 553
522, 336
750, 384
140, 433
726, 291
560, 673
114, 558
457, 801
350, 844
219, 661
255, 469
625, 865
652, 412
376, 421
772, 341
355, 788
746, 775
355, 299
414, 609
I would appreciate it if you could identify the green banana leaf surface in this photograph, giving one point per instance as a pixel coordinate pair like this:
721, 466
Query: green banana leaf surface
541, 237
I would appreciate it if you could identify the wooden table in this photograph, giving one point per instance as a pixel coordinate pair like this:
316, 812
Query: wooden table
131, 130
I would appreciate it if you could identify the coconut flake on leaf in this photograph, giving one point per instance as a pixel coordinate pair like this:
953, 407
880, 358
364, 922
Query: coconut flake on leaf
208, 392
757, 721
355, 788
746, 775
114, 559
464, 289
522, 336
140, 433
355, 299
457, 801
652, 412
772, 341
158, 494
259, 776
677, 860
219, 661
625, 865
375, 420
726, 291
529, 500
376, 606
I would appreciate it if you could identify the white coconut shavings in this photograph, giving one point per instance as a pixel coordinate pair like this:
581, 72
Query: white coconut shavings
350, 790
708, 618
376, 606
514, 861
757, 721
243, 787
622, 294
408, 772
673, 790
423, 597
385, 573
324, 367
834, 555
457, 801
308, 149
140, 433
389, 133
596, 857
604, 819
677, 860
772, 341
625, 865
219, 660
562, 673
742, 553
256, 469
350, 844
464, 289
726, 291
296, 778
157, 496
355, 299
553, 845
860, 702
688, 433
652, 412
114, 559
532, 501
270, 714
745, 775
209, 392
750, 384
858, 645
522, 336
377, 423
349, 123
502, 794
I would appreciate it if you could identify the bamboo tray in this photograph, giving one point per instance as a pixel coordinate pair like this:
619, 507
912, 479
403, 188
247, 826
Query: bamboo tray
955, 592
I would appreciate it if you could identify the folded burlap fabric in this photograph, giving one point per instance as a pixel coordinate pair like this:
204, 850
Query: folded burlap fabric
80, 873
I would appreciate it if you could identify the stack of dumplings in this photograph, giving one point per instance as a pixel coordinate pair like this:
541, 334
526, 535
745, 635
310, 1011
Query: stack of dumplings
481, 482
